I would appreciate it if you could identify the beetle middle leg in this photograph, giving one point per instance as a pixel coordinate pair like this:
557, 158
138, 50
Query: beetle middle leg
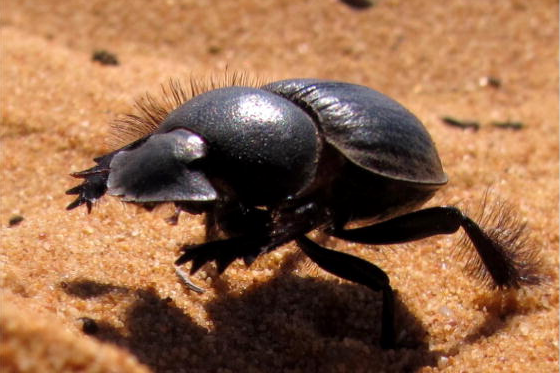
502, 259
359, 271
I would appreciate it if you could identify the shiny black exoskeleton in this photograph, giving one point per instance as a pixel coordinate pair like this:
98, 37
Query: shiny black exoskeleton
270, 164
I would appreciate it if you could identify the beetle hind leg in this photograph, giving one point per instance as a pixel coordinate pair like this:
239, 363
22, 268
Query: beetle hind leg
502, 259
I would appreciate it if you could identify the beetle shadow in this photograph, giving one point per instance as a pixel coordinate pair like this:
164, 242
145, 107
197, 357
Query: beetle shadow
287, 323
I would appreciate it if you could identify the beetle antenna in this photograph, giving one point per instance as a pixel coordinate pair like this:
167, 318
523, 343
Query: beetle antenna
509, 237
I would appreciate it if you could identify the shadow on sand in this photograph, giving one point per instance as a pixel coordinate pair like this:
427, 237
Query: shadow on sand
272, 327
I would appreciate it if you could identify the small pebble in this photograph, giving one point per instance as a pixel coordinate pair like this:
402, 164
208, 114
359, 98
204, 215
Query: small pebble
89, 326
15, 220
104, 57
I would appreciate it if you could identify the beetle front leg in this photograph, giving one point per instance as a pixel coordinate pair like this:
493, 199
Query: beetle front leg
233, 219
253, 232
359, 271
246, 247
502, 256
223, 252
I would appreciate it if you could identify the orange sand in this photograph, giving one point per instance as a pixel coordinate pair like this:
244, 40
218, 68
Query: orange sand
115, 265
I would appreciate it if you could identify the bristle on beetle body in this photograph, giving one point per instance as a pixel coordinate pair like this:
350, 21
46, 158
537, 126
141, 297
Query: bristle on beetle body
151, 110
514, 258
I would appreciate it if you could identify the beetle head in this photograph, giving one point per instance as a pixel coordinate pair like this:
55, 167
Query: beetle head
162, 167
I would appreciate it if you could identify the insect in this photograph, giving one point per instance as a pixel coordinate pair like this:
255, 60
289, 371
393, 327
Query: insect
269, 164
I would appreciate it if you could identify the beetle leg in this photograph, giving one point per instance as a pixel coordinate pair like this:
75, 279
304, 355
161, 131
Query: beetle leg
223, 252
253, 236
212, 230
95, 180
499, 248
94, 185
233, 219
174, 219
359, 271
254, 232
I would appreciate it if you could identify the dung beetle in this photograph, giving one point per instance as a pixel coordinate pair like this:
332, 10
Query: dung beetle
270, 164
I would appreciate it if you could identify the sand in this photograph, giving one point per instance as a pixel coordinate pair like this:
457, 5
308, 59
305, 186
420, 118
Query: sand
481, 61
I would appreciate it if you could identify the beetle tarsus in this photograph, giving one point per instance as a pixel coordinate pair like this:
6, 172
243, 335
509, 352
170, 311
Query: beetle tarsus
93, 188
94, 185
506, 257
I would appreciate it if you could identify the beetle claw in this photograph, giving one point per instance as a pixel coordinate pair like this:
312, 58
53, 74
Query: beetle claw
197, 264
82, 198
196, 255
200, 255
223, 262
249, 259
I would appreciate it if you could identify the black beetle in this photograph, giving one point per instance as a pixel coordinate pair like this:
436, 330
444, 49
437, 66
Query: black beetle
268, 165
